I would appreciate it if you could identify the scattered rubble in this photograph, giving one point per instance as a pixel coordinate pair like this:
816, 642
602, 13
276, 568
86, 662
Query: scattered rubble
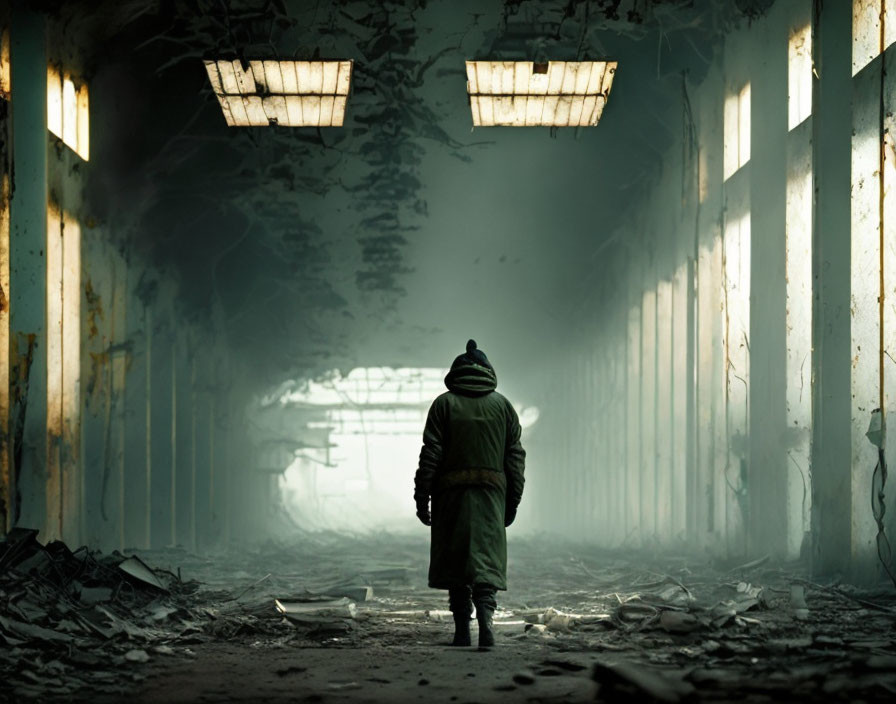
79, 621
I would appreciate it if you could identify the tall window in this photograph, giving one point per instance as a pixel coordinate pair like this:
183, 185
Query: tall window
799, 75
5, 84
737, 130
68, 111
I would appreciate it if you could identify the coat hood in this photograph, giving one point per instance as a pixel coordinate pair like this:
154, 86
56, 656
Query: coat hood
471, 379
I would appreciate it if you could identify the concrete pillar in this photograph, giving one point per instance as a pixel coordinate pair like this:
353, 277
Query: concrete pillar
118, 363
148, 394
28, 267
663, 412
678, 410
717, 439
608, 395
648, 410
183, 418
194, 413
6, 484
230, 464
617, 398
592, 427
5, 193
160, 424
603, 476
64, 303
707, 388
709, 409
890, 277
212, 522
172, 489
873, 315
766, 523
831, 140
633, 414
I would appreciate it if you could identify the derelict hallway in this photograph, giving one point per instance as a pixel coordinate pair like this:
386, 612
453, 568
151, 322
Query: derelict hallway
243, 245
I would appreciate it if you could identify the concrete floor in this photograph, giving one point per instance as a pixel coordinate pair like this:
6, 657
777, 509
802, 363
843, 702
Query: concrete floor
577, 623
417, 672
397, 650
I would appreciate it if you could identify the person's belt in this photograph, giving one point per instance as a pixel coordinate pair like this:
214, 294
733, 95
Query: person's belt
474, 476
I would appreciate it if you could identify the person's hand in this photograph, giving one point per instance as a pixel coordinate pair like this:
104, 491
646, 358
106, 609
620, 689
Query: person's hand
423, 513
509, 516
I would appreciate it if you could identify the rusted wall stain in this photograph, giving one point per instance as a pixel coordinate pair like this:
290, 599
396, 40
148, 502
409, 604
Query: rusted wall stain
94, 310
22, 356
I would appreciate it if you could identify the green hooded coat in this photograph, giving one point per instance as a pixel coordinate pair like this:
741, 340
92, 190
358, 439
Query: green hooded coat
471, 466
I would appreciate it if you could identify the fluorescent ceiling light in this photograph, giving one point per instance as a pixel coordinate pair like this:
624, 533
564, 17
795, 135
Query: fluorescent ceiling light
527, 94
287, 93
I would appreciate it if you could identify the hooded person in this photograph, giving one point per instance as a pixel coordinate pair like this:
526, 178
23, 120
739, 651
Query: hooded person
471, 471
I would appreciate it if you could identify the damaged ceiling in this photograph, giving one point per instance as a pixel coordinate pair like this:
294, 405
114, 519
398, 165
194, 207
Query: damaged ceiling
311, 249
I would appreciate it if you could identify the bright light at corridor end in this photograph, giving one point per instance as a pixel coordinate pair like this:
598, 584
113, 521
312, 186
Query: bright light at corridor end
357, 439
285, 93
527, 94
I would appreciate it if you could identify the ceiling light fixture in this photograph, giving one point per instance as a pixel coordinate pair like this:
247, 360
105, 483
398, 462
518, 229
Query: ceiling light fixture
527, 94
286, 93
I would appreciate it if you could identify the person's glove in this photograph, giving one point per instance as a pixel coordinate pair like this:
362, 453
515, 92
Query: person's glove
423, 513
509, 516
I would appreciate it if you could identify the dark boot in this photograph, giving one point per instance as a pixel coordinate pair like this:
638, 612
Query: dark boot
461, 631
461, 604
484, 600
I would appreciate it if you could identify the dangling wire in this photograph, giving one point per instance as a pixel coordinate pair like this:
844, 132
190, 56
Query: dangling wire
879, 509
879, 477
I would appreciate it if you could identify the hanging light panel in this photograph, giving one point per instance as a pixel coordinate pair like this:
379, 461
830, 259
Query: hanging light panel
527, 94
286, 93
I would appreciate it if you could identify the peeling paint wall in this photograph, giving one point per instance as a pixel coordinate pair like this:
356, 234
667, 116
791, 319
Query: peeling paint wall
28, 273
872, 273
117, 419
5, 192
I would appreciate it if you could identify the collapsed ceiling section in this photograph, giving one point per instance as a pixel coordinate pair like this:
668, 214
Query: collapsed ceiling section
527, 94
285, 93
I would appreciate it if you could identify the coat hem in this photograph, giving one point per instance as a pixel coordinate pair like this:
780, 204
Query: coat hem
447, 585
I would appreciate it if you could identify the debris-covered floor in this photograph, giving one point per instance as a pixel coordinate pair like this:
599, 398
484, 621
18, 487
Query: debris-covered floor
330, 618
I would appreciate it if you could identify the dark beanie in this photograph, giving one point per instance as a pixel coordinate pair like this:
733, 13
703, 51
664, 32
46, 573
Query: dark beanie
473, 355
